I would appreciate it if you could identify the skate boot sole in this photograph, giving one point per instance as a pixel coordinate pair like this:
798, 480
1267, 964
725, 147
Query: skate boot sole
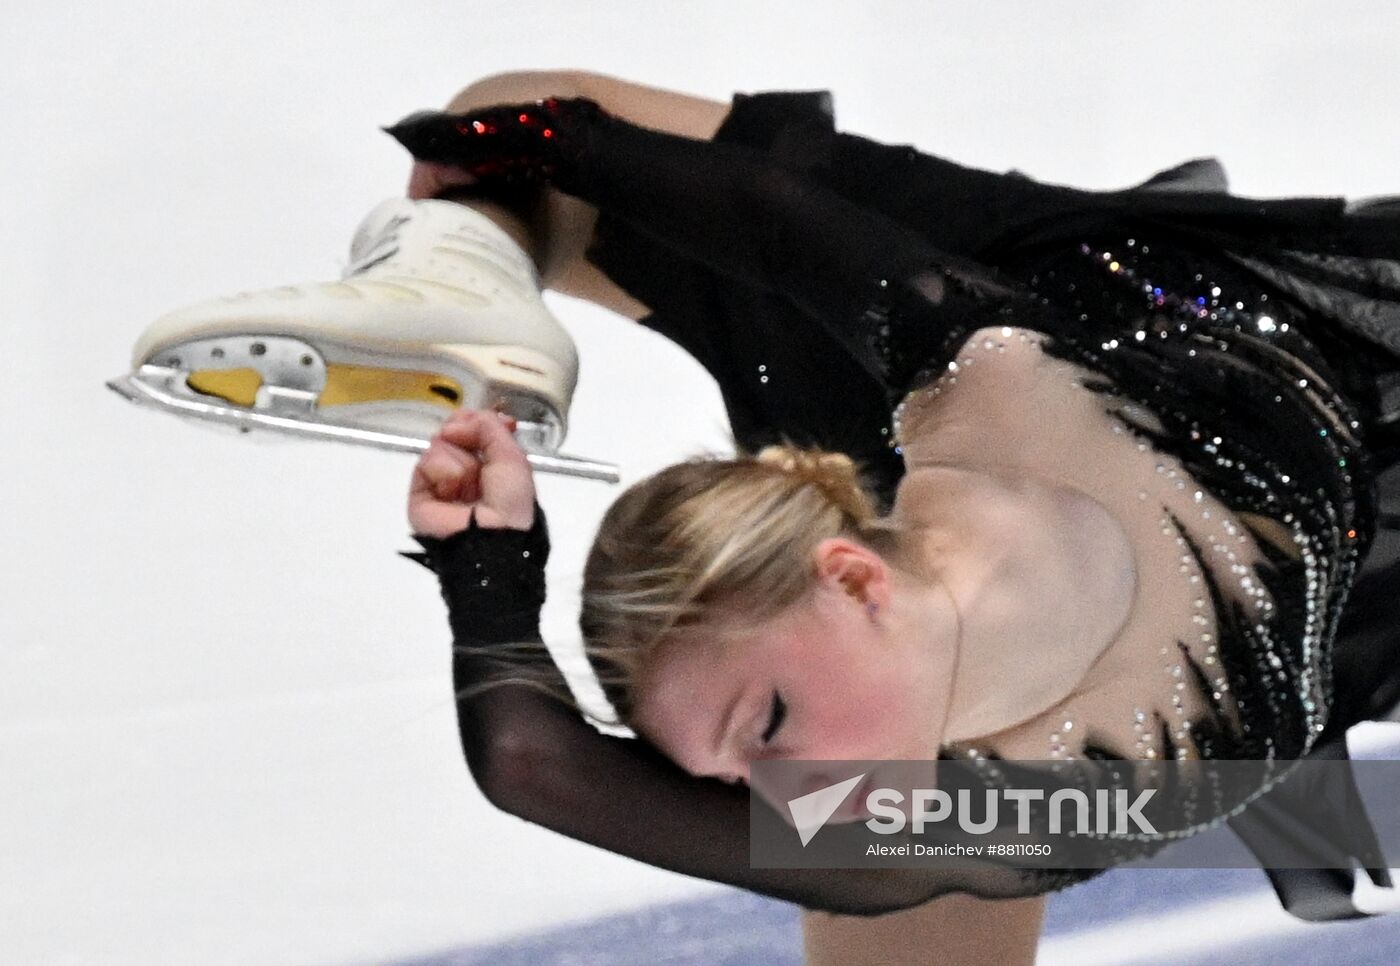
347, 393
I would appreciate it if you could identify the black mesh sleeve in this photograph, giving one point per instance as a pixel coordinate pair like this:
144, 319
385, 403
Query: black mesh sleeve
538, 759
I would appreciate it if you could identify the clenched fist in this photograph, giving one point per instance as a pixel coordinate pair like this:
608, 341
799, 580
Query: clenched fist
472, 464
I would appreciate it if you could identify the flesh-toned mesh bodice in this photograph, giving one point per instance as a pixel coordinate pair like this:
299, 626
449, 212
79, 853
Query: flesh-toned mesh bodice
1264, 389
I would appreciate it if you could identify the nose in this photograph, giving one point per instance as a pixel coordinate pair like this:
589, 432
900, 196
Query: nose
736, 774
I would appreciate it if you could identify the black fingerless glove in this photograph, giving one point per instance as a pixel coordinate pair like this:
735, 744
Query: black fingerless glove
507, 145
492, 579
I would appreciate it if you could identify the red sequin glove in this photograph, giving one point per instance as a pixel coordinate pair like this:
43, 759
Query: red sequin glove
510, 145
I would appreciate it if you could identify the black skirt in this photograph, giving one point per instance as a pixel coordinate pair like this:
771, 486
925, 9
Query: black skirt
1340, 262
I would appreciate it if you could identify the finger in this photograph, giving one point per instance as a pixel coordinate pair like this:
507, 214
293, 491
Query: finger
460, 438
439, 519
454, 473
422, 182
506, 480
461, 415
443, 474
475, 430
418, 485
466, 459
492, 416
465, 414
449, 176
467, 466
426, 502
429, 179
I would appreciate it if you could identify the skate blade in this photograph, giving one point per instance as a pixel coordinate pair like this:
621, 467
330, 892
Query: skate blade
163, 388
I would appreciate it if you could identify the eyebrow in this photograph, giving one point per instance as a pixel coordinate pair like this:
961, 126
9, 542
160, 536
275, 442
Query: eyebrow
726, 722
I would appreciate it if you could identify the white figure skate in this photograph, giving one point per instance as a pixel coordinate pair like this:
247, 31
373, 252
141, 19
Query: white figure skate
438, 309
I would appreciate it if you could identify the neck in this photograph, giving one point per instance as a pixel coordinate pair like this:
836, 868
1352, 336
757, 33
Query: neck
1041, 579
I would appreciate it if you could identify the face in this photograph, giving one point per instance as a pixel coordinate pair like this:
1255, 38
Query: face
820, 682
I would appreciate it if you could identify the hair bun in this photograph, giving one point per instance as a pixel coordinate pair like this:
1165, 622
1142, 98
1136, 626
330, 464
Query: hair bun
835, 474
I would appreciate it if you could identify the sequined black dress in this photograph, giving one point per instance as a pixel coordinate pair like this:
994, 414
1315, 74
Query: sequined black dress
1265, 336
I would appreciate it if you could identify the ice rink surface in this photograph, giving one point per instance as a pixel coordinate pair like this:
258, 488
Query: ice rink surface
226, 727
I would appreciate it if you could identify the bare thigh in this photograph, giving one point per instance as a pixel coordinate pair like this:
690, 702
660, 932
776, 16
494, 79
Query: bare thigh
953, 930
564, 225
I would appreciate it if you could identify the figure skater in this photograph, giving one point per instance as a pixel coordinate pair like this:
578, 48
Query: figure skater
1022, 472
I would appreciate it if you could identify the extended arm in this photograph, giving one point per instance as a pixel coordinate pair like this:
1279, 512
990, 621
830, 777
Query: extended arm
538, 759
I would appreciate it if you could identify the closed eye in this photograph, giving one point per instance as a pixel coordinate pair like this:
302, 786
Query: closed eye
776, 720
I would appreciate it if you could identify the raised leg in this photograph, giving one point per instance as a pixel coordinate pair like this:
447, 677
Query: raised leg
732, 208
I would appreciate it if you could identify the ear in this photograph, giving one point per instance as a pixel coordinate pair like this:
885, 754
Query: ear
846, 566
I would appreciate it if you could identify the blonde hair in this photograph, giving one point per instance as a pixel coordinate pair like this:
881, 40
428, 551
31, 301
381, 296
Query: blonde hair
705, 546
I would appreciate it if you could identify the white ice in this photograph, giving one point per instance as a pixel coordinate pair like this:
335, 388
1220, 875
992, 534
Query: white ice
226, 733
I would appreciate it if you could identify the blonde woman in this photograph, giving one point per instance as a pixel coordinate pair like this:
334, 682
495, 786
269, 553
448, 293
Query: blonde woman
1023, 472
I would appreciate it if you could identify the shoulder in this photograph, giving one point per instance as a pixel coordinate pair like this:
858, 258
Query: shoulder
983, 390
998, 499
1014, 346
